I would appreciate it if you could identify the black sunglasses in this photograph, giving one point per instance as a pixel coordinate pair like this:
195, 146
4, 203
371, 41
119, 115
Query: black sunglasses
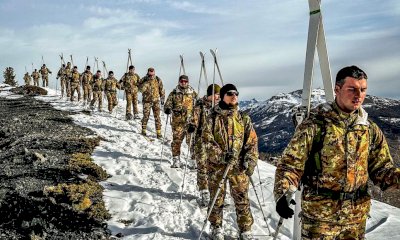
232, 92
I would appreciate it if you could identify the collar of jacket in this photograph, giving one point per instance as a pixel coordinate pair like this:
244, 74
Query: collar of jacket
226, 112
332, 112
188, 90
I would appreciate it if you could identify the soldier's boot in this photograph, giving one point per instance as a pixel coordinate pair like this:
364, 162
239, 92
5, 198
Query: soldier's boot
144, 132
136, 116
246, 236
159, 135
128, 116
217, 233
176, 162
204, 199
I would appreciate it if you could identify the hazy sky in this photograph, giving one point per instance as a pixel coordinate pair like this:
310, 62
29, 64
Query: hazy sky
261, 44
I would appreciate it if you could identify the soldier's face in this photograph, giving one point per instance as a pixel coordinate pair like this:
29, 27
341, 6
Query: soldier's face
215, 96
231, 98
351, 95
151, 73
183, 83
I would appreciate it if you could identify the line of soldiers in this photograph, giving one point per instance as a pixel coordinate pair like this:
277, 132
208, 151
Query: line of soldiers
36, 75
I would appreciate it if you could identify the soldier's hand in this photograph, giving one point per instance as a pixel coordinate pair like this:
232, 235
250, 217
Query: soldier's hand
162, 100
248, 168
191, 128
283, 209
167, 111
229, 157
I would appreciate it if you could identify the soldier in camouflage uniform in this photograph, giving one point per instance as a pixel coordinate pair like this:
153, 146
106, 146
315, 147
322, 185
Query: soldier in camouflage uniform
62, 77
35, 75
180, 103
332, 154
153, 94
87, 81
201, 110
110, 88
129, 83
75, 83
27, 79
44, 71
230, 141
68, 75
98, 88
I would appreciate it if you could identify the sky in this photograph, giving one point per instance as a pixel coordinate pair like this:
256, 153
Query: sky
261, 43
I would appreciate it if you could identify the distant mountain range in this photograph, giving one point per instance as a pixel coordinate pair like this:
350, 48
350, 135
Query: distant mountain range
272, 118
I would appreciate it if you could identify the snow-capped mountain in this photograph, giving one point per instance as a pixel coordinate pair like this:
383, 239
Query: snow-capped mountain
273, 118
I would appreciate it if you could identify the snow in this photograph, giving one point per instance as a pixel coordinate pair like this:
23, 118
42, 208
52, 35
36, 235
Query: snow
143, 193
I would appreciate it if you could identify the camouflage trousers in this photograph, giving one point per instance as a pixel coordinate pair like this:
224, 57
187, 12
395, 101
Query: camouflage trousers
36, 82
45, 80
239, 188
201, 161
147, 107
179, 132
112, 100
62, 86
87, 92
131, 99
75, 87
68, 87
316, 230
97, 97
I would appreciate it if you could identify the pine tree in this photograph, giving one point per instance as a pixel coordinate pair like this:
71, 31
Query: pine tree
9, 76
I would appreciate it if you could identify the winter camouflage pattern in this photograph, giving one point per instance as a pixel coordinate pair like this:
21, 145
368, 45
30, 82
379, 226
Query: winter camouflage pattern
129, 82
63, 79
75, 85
110, 88
181, 101
354, 148
231, 131
200, 112
35, 75
323, 230
44, 72
87, 81
152, 92
27, 79
98, 88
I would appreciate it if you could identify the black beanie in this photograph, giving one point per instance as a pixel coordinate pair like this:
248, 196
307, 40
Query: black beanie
226, 88
217, 88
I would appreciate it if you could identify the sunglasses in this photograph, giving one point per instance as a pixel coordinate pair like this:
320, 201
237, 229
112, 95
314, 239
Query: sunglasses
232, 92
183, 81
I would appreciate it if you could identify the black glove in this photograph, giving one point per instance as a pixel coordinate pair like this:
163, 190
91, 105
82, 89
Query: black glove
283, 209
167, 111
191, 128
229, 158
162, 101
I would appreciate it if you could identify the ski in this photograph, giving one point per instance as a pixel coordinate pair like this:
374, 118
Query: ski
214, 54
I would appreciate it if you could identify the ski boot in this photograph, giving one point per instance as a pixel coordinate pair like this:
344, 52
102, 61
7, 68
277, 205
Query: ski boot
246, 236
217, 233
128, 116
136, 116
204, 199
176, 162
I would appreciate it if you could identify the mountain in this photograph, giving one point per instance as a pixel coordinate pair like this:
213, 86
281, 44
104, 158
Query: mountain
273, 118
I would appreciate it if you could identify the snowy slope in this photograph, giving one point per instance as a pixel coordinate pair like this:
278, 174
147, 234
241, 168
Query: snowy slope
143, 196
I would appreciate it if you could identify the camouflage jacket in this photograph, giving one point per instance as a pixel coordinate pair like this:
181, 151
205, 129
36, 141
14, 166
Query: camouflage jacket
201, 110
35, 75
111, 84
152, 89
27, 78
230, 131
68, 72
181, 102
129, 82
44, 71
353, 150
75, 78
61, 73
98, 84
87, 78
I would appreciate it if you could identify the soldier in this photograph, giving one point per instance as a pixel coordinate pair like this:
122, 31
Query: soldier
332, 154
98, 88
68, 75
75, 83
153, 94
87, 82
110, 88
230, 142
35, 75
27, 79
44, 71
61, 75
180, 103
201, 110
129, 83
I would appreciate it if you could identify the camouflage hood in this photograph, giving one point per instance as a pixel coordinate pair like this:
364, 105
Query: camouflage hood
188, 90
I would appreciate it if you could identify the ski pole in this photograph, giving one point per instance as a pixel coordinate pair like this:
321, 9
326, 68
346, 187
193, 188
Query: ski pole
259, 203
184, 174
165, 133
221, 183
289, 195
259, 178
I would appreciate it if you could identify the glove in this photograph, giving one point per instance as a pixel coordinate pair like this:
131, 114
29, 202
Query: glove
229, 158
162, 101
191, 128
283, 209
167, 110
